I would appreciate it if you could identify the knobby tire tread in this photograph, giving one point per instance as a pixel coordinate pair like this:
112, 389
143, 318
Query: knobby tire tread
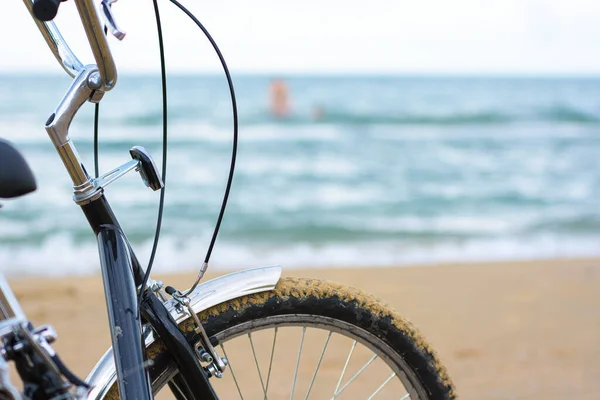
333, 300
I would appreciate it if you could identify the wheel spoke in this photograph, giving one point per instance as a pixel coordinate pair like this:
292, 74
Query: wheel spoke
271, 362
231, 369
257, 367
344, 370
355, 376
382, 385
298, 362
176, 390
318, 365
406, 396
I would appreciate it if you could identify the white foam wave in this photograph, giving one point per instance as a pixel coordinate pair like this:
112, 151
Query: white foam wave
470, 225
59, 256
272, 132
258, 165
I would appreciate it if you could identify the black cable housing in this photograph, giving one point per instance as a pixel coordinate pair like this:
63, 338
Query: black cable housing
164, 151
163, 73
96, 118
235, 125
165, 137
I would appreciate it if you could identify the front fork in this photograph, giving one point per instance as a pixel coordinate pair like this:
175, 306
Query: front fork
194, 376
125, 324
121, 302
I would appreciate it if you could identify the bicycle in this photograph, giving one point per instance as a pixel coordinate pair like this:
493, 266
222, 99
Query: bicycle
181, 341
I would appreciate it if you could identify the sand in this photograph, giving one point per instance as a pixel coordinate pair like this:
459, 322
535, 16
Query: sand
518, 330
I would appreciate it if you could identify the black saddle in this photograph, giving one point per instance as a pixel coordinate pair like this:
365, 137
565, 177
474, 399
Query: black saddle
16, 178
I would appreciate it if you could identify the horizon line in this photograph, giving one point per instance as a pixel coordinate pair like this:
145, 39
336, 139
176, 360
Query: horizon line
333, 74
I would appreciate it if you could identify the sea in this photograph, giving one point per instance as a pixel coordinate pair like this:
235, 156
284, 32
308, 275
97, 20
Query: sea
364, 171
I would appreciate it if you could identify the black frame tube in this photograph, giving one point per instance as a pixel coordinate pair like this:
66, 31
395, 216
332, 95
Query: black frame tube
122, 274
121, 302
99, 214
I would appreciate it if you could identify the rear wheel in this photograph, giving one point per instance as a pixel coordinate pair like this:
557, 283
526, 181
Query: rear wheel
314, 339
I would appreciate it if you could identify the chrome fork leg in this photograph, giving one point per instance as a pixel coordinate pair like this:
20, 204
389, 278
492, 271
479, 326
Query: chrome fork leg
121, 301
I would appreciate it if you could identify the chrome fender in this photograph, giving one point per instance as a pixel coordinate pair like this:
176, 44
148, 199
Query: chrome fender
206, 295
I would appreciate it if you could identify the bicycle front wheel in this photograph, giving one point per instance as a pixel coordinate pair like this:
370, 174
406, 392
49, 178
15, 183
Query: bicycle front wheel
314, 339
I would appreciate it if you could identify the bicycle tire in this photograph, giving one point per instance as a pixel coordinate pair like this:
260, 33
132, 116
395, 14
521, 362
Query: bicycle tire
326, 307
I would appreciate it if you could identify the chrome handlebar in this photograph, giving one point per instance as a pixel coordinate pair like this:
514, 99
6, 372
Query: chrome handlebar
95, 34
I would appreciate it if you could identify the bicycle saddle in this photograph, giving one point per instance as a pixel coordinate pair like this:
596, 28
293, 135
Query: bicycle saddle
16, 178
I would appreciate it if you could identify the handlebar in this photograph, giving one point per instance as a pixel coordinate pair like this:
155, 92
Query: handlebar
45, 10
95, 34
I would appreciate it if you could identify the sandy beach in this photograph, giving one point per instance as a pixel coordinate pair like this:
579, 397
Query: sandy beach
518, 330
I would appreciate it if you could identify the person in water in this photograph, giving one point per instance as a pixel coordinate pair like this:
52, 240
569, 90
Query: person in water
318, 113
279, 94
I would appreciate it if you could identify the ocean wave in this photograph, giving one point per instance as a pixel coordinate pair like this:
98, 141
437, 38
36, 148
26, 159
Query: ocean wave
568, 114
339, 118
556, 114
555, 123
575, 224
176, 256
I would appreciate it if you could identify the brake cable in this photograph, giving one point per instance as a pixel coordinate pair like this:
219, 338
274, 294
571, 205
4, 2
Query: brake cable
96, 115
204, 266
96, 119
164, 153
163, 74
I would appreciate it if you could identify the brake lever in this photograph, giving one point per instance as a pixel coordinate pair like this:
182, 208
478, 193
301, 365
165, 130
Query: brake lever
109, 19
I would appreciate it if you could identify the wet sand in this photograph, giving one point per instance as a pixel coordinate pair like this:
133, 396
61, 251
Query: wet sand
518, 330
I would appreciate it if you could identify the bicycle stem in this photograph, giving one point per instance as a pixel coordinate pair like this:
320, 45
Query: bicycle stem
85, 87
87, 191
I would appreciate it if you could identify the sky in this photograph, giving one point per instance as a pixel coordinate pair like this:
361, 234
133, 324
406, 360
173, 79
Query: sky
498, 37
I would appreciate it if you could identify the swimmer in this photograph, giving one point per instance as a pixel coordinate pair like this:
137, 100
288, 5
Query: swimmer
279, 93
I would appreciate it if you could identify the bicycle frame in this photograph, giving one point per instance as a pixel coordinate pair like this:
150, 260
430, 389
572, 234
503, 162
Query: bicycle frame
121, 271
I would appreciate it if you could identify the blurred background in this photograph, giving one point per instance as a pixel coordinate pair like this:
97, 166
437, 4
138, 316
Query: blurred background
372, 134
391, 134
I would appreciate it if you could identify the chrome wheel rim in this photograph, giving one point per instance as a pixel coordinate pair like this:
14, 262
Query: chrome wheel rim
261, 338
